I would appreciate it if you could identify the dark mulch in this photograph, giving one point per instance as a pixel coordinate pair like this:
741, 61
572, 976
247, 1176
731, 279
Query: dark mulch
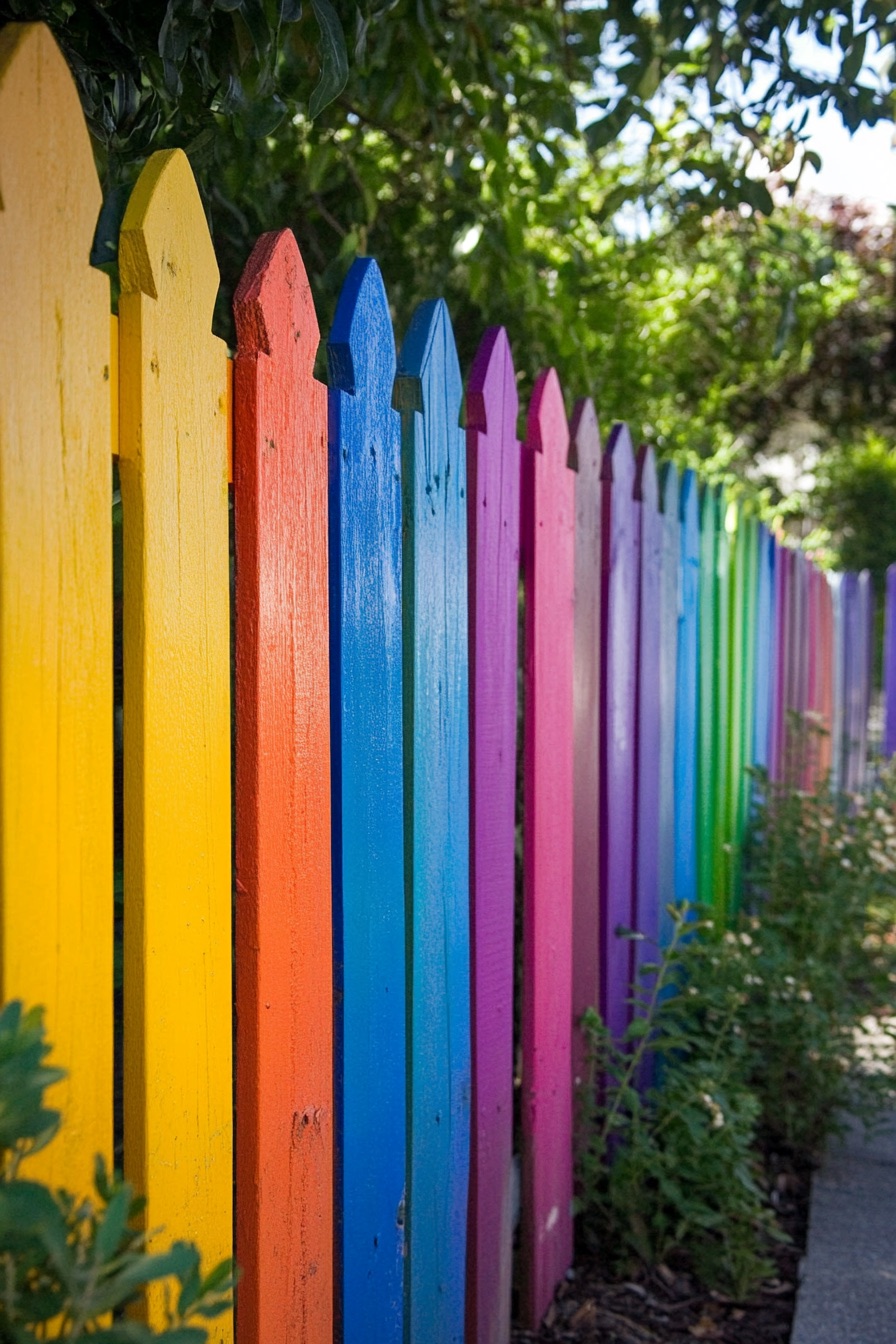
668, 1306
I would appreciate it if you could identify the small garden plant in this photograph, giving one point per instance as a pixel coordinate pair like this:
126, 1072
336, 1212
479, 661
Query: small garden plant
768, 1033
69, 1268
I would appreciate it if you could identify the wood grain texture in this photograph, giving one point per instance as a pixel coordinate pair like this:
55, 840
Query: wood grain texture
686, 700
368, 810
493, 522
283, 906
55, 595
177, 864
648, 714
890, 664
618, 623
707, 762
669, 609
586, 458
437, 839
548, 551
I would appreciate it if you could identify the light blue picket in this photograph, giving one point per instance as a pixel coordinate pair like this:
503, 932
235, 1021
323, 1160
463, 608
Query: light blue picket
669, 602
707, 763
686, 702
368, 811
437, 860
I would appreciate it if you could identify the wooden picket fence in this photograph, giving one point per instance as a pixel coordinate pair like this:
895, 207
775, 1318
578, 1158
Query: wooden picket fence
378, 551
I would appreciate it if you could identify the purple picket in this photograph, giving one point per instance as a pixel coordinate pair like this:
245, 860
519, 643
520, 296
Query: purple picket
548, 555
764, 661
645, 837
686, 702
493, 512
866, 646
669, 605
783, 579
586, 458
618, 635
890, 665
837, 720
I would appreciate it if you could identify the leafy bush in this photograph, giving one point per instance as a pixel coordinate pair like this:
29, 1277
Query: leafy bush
69, 1268
774, 1029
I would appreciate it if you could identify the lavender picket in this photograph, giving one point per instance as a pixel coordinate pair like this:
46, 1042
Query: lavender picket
586, 458
493, 512
618, 626
436, 823
890, 664
368, 803
686, 703
669, 600
764, 659
837, 717
783, 572
645, 838
548, 554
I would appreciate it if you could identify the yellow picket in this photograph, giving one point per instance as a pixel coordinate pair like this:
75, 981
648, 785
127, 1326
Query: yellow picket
177, 956
55, 592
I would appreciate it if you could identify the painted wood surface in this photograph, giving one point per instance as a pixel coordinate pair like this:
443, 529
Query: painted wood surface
890, 664
765, 643
861, 700
752, 637
283, 906
722, 719
687, 704
586, 457
707, 761
648, 718
669, 598
178, 1102
618, 622
368, 810
55, 595
493, 517
437, 855
783, 608
837, 721
548, 554
826, 674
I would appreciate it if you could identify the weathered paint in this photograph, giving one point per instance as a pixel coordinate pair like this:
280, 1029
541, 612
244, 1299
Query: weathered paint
284, 954
368, 810
178, 1102
586, 458
548, 553
618, 624
493, 519
436, 819
55, 595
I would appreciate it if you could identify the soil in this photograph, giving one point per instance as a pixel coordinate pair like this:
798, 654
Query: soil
667, 1305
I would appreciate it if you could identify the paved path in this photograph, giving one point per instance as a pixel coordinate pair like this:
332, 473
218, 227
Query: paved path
848, 1289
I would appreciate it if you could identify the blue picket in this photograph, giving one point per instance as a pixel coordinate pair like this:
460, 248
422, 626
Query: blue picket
368, 811
437, 859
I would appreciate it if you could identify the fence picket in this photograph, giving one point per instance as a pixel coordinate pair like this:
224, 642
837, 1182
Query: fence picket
437, 858
686, 697
368, 810
890, 664
548, 553
619, 586
493, 516
177, 870
55, 595
586, 449
648, 719
707, 761
763, 662
283, 920
722, 721
670, 586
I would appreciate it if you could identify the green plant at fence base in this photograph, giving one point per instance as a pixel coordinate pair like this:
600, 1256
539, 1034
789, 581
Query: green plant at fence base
777, 1028
69, 1267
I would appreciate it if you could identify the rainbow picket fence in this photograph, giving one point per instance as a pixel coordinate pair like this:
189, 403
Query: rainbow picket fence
378, 549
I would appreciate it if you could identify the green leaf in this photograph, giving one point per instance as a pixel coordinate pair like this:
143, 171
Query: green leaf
333, 58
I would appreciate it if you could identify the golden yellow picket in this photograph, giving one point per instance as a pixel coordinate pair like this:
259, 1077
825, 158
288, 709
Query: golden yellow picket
55, 592
173, 467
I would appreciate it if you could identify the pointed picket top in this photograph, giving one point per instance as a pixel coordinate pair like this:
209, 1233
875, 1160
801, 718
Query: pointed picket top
361, 346
41, 111
165, 246
273, 306
428, 353
492, 383
646, 486
584, 435
546, 428
669, 490
619, 457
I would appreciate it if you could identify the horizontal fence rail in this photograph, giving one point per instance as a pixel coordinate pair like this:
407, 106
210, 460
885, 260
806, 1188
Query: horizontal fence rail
393, 1133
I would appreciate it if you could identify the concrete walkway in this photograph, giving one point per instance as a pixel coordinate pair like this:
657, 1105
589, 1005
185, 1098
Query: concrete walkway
848, 1289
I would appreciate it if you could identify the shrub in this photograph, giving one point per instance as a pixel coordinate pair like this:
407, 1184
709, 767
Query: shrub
69, 1267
